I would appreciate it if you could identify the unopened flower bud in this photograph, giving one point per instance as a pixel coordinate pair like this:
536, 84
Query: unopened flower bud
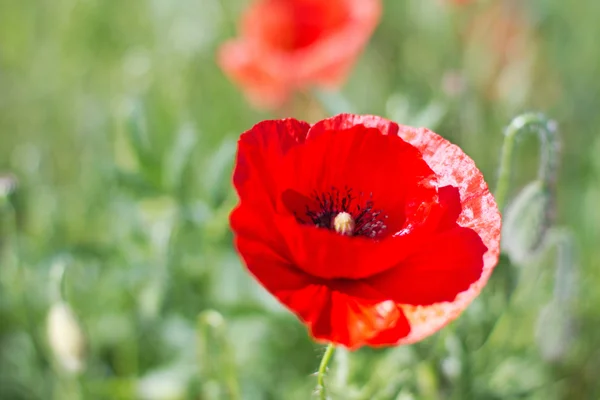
8, 184
526, 222
554, 332
66, 338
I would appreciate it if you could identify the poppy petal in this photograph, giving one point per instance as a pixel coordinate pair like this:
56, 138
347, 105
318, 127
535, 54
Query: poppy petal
398, 329
454, 168
478, 212
257, 241
328, 255
260, 86
347, 121
448, 265
260, 153
344, 319
339, 158
294, 44
329, 60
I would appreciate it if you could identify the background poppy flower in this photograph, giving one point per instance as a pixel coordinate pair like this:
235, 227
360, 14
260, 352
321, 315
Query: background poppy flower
290, 44
372, 233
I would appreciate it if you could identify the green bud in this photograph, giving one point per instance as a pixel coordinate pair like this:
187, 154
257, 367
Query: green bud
526, 221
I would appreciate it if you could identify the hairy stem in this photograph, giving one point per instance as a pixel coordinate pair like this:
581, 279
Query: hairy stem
322, 370
547, 135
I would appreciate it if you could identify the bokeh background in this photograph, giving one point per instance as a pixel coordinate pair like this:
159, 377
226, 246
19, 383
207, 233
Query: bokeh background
117, 137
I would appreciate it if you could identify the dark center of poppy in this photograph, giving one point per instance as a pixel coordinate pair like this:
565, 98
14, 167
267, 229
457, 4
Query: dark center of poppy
343, 212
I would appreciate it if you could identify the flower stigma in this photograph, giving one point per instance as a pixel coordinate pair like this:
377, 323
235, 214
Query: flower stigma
340, 211
344, 224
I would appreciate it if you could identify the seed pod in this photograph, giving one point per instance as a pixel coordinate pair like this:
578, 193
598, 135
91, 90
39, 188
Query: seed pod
66, 338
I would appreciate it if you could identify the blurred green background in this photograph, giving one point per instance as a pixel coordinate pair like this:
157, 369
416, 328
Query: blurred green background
120, 130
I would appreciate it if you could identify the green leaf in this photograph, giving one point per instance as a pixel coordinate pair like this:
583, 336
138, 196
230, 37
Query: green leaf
398, 108
218, 170
179, 157
138, 136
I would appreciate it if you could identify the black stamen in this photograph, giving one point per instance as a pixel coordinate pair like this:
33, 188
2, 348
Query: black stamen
369, 222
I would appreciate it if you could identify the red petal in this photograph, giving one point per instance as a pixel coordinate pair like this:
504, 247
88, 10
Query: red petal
262, 88
446, 266
340, 318
453, 167
293, 44
451, 207
338, 154
442, 215
346, 313
397, 329
292, 25
323, 57
329, 59
366, 161
259, 244
259, 158
347, 121
325, 254
479, 212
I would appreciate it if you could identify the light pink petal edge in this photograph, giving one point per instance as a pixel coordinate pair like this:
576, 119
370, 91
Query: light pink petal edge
479, 213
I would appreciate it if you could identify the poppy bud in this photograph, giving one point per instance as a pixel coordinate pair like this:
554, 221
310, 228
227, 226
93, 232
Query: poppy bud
526, 222
8, 184
66, 338
554, 331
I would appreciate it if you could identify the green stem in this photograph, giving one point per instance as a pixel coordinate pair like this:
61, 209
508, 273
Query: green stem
548, 159
505, 169
322, 370
19, 283
231, 375
211, 323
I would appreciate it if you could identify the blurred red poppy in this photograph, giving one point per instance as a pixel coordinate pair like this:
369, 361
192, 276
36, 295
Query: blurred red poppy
370, 232
285, 45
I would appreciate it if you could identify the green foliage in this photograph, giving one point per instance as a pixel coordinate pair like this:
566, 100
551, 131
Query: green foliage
117, 137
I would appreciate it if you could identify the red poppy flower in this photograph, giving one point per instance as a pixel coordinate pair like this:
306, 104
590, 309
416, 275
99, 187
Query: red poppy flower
370, 232
291, 44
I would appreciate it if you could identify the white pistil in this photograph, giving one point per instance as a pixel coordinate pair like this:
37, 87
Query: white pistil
344, 224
